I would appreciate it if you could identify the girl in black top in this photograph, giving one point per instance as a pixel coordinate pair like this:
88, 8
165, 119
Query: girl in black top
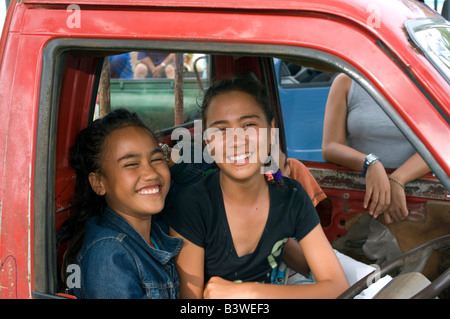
235, 222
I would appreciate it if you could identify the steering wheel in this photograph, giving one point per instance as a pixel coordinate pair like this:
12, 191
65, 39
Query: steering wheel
410, 264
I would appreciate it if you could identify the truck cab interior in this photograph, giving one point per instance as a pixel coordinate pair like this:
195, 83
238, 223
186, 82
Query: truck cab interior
77, 87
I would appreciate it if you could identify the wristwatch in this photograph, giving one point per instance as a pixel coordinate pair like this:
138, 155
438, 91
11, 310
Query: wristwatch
163, 64
370, 159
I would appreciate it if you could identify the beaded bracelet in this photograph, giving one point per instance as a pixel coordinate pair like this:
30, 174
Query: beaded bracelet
393, 179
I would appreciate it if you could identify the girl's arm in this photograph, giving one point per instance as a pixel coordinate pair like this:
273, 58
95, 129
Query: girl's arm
294, 257
190, 267
335, 127
335, 150
325, 266
415, 167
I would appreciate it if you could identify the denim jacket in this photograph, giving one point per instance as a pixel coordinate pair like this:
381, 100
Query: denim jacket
116, 262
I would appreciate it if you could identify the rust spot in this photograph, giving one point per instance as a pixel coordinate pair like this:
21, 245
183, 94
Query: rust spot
8, 277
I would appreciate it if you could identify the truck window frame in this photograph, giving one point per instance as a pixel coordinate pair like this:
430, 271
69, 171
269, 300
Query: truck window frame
52, 65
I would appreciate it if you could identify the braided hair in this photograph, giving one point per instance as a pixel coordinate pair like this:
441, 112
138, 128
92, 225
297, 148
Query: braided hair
86, 157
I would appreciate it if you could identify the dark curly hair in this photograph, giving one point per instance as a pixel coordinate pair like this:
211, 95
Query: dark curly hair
86, 157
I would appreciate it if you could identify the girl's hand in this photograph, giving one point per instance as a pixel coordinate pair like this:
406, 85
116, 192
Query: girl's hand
378, 189
397, 210
218, 288
157, 71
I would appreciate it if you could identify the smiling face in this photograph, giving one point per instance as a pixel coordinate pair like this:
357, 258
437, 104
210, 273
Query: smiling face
237, 133
134, 177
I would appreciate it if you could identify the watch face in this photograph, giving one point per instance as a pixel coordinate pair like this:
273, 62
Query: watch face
370, 158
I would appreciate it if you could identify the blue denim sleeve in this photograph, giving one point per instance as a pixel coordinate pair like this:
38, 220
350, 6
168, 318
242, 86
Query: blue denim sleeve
108, 271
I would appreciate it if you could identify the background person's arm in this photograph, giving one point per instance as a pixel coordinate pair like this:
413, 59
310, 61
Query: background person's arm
335, 150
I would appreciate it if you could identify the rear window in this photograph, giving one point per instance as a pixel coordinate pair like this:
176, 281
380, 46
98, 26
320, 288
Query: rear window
161, 99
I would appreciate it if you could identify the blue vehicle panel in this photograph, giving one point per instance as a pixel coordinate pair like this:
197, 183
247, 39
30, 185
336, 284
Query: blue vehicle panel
303, 96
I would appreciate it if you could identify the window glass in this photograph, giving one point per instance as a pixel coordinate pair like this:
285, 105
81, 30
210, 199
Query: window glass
303, 96
293, 75
152, 84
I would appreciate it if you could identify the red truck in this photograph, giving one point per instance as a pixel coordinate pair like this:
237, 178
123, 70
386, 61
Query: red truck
54, 80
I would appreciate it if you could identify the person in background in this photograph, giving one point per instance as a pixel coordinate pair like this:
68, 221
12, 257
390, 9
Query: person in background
359, 135
155, 65
120, 66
